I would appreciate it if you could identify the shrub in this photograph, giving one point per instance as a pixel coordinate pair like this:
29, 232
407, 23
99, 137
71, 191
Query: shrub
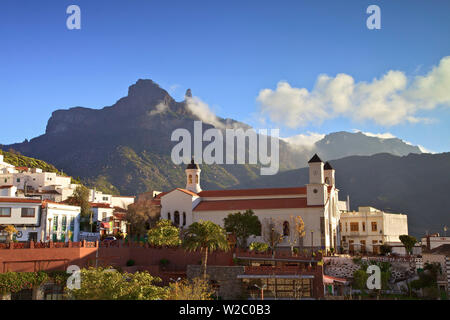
130, 263
259, 246
164, 262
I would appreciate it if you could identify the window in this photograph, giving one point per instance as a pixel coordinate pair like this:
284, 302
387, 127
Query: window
354, 226
105, 198
53, 292
364, 226
55, 223
103, 215
286, 230
5, 212
72, 223
196, 178
18, 179
64, 223
322, 232
184, 218
346, 227
168, 216
176, 218
28, 212
190, 178
374, 226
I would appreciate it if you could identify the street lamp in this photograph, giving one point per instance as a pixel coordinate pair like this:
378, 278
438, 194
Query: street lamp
176, 285
262, 290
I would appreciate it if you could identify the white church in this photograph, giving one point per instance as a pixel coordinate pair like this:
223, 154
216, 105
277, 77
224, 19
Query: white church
317, 203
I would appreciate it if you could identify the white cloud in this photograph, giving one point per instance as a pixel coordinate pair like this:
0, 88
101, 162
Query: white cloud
424, 150
160, 108
388, 101
203, 111
304, 140
386, 135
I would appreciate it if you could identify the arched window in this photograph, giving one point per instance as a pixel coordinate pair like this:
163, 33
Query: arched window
190, 178
286, 229
176, 218
327, 181
168, 216
196, 178
184, 218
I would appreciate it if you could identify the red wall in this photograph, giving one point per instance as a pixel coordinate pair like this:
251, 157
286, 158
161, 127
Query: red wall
35, 259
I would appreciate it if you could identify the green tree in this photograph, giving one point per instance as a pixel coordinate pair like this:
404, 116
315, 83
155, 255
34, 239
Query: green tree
408, 241
360, 279
164, 234
243, 225
80, 197
206, 236
107, 284
385, 249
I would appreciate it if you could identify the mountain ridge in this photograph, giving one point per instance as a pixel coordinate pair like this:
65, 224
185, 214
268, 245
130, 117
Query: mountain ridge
127, 145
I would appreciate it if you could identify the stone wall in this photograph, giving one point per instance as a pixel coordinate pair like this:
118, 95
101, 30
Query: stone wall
226, 277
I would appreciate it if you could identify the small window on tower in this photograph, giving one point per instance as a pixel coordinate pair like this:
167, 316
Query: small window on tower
196, 178
374, 226
190, 178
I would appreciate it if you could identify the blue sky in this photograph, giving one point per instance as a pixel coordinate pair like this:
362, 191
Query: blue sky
225, 51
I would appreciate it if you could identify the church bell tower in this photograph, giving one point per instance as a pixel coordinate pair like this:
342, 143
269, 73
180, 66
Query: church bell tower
193, 177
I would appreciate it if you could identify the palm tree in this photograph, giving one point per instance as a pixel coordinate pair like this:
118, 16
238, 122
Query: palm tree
207, 236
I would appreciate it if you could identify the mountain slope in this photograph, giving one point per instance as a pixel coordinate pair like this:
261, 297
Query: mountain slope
126, 147
417, 185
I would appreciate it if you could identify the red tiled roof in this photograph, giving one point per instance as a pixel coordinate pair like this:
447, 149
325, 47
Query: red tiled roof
159, 195
119, 209
20, 200
100, 205
21, 168
187, 191
119, 216
280, 203
123, 196
6, 187
253, 192
330, 279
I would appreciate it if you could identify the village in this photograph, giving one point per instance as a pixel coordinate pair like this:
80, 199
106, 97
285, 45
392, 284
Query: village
269, 243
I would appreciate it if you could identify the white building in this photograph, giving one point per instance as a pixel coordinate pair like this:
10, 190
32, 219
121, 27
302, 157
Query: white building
368, 228
316, 203
434, 240
39, 220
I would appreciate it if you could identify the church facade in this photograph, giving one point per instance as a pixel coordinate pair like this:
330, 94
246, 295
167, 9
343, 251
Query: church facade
317, 203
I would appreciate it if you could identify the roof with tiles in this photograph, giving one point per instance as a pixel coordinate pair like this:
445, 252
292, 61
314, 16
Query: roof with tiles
280, 203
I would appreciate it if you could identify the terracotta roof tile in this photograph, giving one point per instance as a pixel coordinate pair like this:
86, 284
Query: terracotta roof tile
252, 192
20, 200
280, 203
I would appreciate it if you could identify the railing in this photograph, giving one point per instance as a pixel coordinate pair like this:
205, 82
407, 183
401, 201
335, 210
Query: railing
280, 270
278, 255
50, 244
